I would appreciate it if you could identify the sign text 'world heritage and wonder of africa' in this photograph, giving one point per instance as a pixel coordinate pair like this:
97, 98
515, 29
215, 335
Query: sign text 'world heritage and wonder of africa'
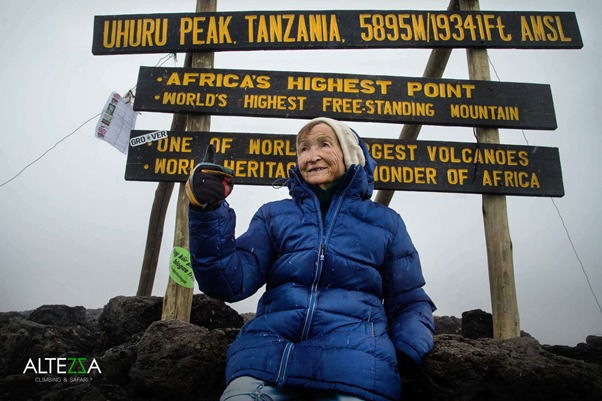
264, 159
345, 97
319, 29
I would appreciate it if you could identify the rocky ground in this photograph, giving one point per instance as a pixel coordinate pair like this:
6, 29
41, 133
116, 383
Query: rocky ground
141, 357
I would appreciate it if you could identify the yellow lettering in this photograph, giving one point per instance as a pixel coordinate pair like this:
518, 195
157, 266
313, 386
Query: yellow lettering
289, 26
405, 28
262, 30
186, 140
161, 35
523, 158
432, 151
302, 35
459, 34
505, 37
250, 21
189, 77
254, 146
334, 35
197, 30
315, 27
534, 181
525, 29
275, 28
135, 33
418, 27
224, 31
174, 79
561, 31
106, 33
552, 35
185, 27
537, 26
469, 24
486, 178
413, 87
173, 166
212, 31
252, 168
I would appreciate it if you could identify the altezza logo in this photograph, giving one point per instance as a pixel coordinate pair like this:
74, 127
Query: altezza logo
64, 366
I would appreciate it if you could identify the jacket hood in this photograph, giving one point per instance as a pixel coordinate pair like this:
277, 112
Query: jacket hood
357, 179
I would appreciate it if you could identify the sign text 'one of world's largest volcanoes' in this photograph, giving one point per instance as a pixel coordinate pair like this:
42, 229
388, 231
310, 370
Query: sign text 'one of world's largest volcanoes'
265, 159
346, 97
272, 30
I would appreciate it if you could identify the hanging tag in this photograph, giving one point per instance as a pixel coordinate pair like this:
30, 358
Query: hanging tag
116, 121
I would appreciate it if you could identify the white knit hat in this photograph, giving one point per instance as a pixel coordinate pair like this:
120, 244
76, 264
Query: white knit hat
352, 151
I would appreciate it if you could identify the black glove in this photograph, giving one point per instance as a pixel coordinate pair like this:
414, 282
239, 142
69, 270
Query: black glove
409, 371
208, 185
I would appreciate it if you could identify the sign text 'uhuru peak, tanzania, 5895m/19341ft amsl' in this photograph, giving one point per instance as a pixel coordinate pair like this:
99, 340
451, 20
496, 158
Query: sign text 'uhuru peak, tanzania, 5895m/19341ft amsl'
273, 30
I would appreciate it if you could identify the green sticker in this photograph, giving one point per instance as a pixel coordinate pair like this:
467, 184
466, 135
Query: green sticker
180, 269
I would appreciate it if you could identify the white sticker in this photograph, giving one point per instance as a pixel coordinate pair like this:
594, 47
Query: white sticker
150, 137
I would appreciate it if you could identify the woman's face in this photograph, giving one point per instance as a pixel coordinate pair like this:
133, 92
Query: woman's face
319, 156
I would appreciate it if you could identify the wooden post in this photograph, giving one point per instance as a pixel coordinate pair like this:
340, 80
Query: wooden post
153, 238
156, 223
434, 69
177, 302
157, 217
495, 218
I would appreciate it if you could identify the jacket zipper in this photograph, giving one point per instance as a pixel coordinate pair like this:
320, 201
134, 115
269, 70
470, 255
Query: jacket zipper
314, 292
284, 364
280, 377
321, 255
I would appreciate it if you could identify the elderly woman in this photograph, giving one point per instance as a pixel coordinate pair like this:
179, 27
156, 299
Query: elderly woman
343, 299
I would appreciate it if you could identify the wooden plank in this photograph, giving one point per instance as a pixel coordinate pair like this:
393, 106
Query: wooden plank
177, 303
260, 159
345, 29
500, 262
379, 98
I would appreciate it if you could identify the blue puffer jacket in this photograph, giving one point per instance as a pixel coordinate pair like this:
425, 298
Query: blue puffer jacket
342, 295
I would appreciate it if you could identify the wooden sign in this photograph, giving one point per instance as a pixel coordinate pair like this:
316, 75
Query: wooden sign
263, 159
345, 97
319, 29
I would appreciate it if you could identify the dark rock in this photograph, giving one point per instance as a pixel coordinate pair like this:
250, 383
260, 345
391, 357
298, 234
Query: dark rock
515, 369
6, 317
124, 316
117, 361
590, 351
178, 360
80, 392
114, 392
92, 316
21, 339
447, 325
213, 313
477, 324
18, 387
59, 315
594, 341
231, 334
143, 358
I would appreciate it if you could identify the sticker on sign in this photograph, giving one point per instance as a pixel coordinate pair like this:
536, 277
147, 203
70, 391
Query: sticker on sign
150, 137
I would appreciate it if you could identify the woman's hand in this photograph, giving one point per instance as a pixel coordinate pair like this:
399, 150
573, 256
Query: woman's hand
208, 185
